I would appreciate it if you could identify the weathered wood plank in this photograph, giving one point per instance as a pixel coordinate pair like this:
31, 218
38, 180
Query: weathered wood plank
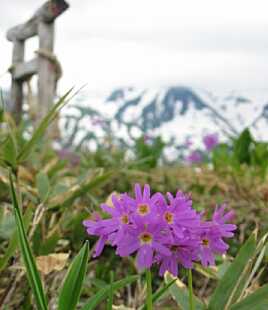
46, 69
47, 13
24, 70
16, 86
47, 75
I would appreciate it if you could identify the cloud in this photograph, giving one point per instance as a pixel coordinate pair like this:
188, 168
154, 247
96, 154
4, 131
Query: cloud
154, 42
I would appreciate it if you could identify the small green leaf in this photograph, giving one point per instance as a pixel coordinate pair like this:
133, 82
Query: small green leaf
7, 226
257, 300
32, 272
180, 293
221, 154
102, 294
13, 241
72, 285
10, 151
43, 186
242, 147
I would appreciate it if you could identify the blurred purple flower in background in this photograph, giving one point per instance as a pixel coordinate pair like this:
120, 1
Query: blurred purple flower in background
147, 138
194, 157
98, 121
71, 157
210, 141
188, 142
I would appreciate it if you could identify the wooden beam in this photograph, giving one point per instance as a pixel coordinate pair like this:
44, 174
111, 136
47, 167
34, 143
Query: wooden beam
47, 76
24, 70
16, 86
47, 13
46, 69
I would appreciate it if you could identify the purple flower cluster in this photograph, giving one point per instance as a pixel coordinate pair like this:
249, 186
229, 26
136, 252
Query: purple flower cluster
195, 157
210, 141
163, 230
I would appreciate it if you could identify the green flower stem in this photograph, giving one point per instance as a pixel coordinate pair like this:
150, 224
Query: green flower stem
149, 297
111, 293
190, 287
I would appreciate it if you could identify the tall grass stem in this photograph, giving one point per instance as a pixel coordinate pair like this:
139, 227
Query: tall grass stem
190, 287
149, 297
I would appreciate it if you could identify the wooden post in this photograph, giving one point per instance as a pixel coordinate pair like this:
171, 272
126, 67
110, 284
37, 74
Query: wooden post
46, 69
17, 85
45, 65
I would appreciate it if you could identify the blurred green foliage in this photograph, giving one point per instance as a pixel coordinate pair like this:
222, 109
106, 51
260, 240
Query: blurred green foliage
243, 151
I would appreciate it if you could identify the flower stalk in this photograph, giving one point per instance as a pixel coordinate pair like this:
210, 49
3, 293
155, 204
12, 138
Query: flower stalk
190, 287
149, 295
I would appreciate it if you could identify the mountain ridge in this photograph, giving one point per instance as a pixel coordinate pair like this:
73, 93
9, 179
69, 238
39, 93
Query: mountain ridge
179, 112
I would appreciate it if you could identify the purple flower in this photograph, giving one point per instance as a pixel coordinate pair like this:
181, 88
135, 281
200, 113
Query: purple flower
92, 227
146, 240
143, 205
179, 215
219, 220
115, 227
210, 141
194, 157
164, 230
210, 245
183, 252
212, 235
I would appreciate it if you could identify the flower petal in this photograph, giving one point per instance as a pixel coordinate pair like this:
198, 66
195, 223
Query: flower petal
145, 257
138, 193
161, 248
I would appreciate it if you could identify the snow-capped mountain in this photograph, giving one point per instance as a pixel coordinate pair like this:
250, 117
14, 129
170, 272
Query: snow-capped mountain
177, 110
180, 112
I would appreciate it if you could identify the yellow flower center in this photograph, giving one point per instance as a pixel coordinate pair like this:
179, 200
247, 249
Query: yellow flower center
174, 248
146, 238
124, 219
143, 209
205, 242
169, 217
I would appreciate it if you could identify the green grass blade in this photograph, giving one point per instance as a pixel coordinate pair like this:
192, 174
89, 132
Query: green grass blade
72, 285
13, 242
251, 269
94, 301
40, 130
160, 292
227, 287
32, 272
180, 293
257, 300
10, 150
111, 292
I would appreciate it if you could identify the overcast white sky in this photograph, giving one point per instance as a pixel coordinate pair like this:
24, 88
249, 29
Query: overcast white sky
212, 44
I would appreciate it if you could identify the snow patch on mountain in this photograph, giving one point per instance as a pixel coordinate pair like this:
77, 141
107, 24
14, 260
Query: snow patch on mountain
180, 112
